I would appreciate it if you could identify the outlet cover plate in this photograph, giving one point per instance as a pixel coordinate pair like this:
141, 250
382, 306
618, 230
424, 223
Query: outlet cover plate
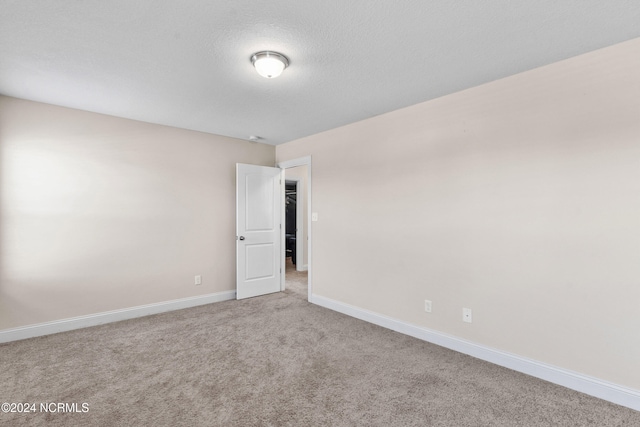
466, 315
427, 306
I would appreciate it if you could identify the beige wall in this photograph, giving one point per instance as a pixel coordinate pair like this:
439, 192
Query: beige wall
518, 199
300, 173
99, 213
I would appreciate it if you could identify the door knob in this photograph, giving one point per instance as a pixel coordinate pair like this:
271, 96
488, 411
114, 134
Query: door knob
241, 238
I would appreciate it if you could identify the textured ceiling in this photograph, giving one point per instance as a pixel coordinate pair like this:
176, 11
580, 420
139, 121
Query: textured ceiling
186, 63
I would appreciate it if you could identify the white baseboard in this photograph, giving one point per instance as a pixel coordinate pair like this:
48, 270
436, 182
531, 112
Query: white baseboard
70, 324
303, 268
592, 386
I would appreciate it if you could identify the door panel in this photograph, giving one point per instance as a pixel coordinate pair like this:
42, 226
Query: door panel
258, 219
258, 261
259, 197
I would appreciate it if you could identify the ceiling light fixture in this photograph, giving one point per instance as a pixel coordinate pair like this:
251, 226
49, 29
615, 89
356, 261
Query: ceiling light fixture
269, 64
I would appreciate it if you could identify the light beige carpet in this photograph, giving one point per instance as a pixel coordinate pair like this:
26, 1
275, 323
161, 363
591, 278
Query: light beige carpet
275, 361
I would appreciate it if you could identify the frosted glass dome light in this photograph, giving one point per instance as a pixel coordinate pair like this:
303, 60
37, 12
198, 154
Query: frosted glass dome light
269, 64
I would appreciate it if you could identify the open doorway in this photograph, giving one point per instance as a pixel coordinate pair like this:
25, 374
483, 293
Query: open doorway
295, 271
293, 222
296, 228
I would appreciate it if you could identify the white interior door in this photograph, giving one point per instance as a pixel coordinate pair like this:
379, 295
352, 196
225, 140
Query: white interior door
258, 229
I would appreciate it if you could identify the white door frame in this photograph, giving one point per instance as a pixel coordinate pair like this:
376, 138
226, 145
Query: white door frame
302, 161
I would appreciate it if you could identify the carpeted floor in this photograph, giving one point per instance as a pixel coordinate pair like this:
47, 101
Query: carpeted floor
275, 360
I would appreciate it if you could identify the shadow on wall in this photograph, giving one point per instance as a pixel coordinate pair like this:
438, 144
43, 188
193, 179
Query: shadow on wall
10, 307
2, 221
7, 304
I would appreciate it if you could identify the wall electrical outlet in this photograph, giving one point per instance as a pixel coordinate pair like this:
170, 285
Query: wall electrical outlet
466, 315
198, 280
314, 216
427, 306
